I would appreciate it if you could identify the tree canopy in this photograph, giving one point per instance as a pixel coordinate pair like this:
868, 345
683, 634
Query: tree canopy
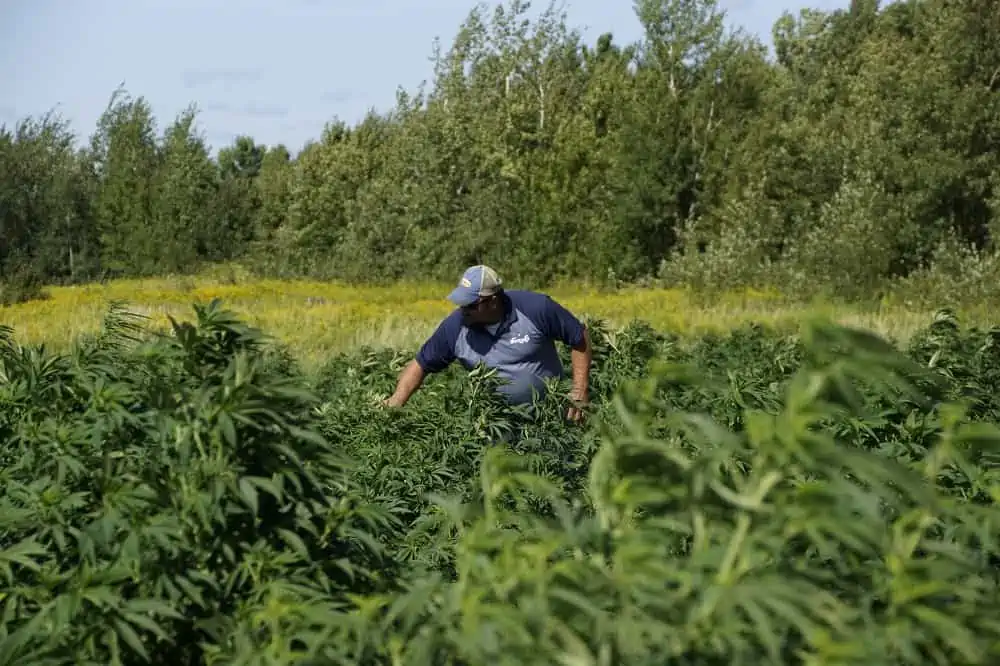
864, 153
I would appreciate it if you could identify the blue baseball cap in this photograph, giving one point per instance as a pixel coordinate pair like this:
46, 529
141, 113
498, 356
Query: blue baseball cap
476, 282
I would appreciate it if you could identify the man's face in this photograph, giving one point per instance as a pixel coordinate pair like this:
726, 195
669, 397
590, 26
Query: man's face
483, 312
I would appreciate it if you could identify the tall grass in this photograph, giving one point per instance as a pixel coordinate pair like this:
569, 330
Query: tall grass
316, 319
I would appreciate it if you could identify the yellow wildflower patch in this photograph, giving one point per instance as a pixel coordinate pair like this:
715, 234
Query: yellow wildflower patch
319, 318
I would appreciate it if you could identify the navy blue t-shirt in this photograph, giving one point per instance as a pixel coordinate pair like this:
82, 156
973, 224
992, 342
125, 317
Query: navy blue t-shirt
521, 347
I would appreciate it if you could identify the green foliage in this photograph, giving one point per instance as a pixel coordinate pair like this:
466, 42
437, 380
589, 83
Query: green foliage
749, 498
861, 158
155, 490
21, 286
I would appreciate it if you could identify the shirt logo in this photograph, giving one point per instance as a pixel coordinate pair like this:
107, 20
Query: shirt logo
520, 339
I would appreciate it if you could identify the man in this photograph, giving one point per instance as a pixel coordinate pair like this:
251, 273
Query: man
512, 331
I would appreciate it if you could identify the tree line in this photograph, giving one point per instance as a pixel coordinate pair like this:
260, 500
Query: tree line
863, 153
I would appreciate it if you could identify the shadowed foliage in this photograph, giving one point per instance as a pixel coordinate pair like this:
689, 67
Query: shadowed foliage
194, 498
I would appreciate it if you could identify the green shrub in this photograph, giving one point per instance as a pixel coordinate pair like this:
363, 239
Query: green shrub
749, 498
21, 287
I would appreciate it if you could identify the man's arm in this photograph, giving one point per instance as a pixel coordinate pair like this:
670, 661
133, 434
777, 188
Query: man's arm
559, 323
581, 357
410, 380
434, 356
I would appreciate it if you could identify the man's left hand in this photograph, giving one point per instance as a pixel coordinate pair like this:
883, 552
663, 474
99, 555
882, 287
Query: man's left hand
577, 410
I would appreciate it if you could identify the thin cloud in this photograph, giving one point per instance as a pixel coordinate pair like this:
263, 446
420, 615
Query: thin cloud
217, 107
337, 96
194, 78
264, 111
252, 110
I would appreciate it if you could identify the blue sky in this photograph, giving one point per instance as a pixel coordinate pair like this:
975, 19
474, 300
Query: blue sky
275, 69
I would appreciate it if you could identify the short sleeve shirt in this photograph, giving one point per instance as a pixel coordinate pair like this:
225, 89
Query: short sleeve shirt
522, 348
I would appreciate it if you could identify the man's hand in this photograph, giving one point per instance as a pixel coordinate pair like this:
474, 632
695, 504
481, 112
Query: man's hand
577, 411
410, 380
391, 402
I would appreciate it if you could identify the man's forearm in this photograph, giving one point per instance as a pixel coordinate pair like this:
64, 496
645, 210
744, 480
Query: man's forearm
410, 380
581, 356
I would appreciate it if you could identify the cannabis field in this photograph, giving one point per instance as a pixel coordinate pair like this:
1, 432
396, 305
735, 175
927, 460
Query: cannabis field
747, 498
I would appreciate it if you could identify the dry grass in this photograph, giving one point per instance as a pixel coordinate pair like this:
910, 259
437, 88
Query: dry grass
316, 318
